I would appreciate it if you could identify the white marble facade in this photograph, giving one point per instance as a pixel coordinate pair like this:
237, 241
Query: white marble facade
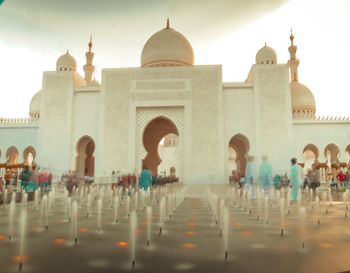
270, 113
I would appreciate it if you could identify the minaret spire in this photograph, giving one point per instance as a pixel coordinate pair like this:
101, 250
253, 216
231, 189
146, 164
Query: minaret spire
291, 37
89, 68
293, 61
167, 23
90, 43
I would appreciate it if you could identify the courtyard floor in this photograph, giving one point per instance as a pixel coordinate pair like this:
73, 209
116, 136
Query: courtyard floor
190, 241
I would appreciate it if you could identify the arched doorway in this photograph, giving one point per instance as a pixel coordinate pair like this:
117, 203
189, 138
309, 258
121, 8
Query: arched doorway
332, 152
167, 149
12, 155
311, 154
238, 152
29, 155
85, 160
154, 132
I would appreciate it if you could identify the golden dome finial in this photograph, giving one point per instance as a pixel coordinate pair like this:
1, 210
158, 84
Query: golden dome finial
90, 43
167, 23
291, 37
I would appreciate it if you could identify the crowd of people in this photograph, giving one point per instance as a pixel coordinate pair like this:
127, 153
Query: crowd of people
124, 180
145, 180
72, 179
296, 179
28, 178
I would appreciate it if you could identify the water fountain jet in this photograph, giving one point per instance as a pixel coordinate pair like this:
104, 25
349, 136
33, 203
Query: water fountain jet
267, 209
12, 216
317, 200
149, 223
302, 224
133, 223
225, 230
116, 207
127, 206
23, 222
75, 220
99, 212
282, 215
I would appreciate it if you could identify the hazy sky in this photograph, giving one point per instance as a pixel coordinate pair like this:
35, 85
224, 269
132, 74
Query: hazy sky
33, 34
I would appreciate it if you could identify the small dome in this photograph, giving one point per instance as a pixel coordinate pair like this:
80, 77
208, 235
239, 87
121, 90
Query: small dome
302, 98
167, 47
34, 108
66, 63
266, 55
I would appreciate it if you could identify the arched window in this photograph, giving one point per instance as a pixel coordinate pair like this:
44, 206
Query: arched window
12, 156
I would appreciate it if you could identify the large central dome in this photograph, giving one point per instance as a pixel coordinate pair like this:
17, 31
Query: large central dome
167, 47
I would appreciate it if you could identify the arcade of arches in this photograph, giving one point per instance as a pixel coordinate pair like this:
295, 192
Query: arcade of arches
85, 160
331, 157
12, 156
160, 128
12, 164
154, 132
239, 149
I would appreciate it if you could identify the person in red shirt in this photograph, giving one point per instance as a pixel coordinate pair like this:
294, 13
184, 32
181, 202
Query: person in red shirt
341, 177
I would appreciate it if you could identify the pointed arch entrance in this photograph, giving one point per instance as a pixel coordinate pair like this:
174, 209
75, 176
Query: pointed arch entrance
85, 160
154, 132
144, 117
238, 151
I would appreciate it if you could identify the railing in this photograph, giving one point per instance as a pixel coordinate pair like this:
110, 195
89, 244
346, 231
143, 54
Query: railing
19, 122
310, 116
331, 118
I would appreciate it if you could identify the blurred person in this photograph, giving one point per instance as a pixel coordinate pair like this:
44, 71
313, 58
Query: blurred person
295, 178
145, 180
265, 174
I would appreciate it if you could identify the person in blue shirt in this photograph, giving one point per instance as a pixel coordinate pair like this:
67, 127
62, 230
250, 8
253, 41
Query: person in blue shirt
296, 178
145, 180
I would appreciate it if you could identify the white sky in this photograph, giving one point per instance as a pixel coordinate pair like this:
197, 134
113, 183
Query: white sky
320, 30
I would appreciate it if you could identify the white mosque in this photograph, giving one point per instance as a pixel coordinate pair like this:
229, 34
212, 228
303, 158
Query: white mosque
210, 126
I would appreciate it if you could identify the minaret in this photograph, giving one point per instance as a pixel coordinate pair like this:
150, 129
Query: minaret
89, 68
167, 23
293, 62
